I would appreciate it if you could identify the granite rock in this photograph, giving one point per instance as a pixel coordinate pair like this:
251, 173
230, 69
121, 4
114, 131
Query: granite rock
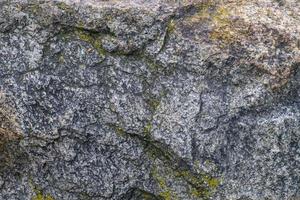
153, 100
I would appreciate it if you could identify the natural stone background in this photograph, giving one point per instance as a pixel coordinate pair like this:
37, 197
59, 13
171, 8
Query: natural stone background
150, 100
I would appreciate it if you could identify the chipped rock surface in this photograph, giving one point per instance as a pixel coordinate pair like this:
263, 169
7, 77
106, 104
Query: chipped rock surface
149, 100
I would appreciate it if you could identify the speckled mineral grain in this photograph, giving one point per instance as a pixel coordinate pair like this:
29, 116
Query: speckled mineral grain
150, 100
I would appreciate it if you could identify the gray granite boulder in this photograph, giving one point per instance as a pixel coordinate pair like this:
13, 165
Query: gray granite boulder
149, 100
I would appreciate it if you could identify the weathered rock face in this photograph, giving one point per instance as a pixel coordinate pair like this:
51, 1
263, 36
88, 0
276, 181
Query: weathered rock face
150, 100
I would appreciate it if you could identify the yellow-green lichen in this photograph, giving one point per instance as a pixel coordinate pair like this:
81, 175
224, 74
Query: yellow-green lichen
167, 195
166, 192
212, 182
92, 39
147, 128
154, 151
80, 24
186, 174
119, 130
196, 193
40, 196
218, 16
84, 36
64, 6
34, 8
202, 185
219, 21
147, 196
61, 59
222, 29
171, 26
153, 67
203, 12
153, 104
199, 185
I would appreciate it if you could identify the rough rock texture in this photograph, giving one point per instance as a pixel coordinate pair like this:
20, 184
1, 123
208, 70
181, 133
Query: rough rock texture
150, 99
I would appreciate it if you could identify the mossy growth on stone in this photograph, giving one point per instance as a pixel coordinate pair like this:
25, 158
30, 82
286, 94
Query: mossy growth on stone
218, 19
141, 194
166, 191
212, 182
118, 129
198, 186
223, 30
34, 8
61, 59
171, 26
204, 12
91, 38
153, 66
64, 6
40, 196
201, 186
153, 104
147, 196
147, 129
154, 152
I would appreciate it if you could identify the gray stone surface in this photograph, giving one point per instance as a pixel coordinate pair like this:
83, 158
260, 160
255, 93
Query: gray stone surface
159, 100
